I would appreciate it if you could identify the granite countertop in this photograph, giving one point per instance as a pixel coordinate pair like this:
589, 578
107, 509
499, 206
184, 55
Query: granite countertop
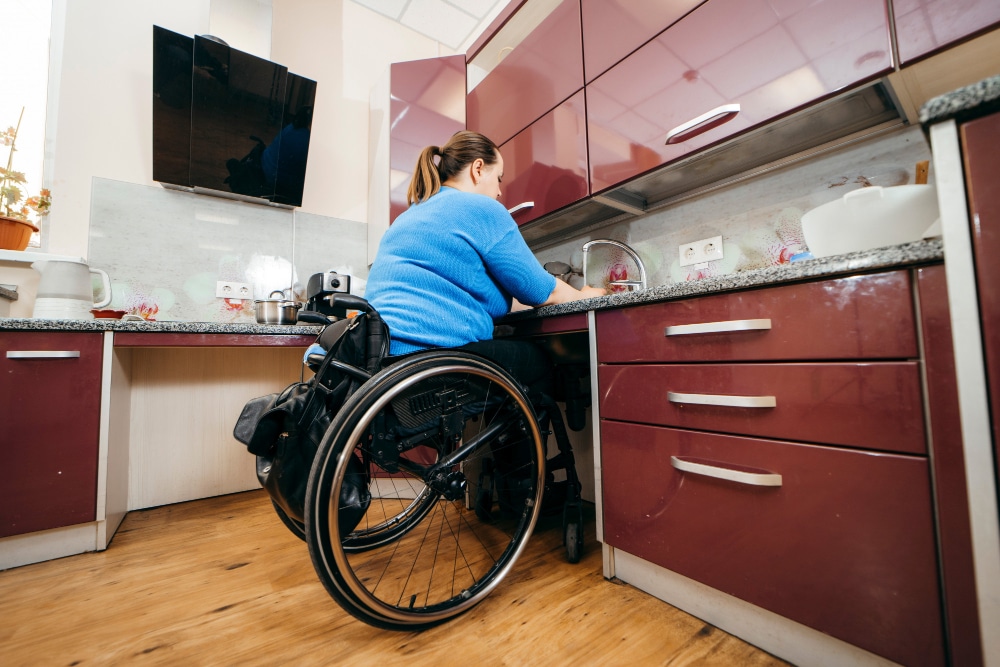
964, 103
918, 252
31, 324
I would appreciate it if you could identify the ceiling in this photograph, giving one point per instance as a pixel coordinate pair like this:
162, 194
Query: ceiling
454, 23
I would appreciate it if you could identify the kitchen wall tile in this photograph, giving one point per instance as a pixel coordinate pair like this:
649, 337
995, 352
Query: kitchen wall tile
329, 244
759, 218
165, 249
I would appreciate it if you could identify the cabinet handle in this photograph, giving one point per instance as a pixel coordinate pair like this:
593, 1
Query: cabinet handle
723, 400
740, 476
717, 327
702, 123
43, 354
523, 205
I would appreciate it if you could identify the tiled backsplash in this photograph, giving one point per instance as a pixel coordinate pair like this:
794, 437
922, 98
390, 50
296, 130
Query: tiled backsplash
165, 250
759, 219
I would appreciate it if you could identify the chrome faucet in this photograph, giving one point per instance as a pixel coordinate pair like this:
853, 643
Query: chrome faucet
641, 283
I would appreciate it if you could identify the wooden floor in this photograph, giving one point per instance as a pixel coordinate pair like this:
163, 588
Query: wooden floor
223, 582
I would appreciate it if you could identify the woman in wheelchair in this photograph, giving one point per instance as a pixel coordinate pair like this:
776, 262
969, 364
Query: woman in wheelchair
430, 477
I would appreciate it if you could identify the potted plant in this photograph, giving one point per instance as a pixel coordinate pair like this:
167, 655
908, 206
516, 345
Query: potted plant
16, 207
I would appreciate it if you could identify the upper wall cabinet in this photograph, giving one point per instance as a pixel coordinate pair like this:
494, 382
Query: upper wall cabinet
727, 67
530, 66
545, 165
612, 29
415, 104
925, 26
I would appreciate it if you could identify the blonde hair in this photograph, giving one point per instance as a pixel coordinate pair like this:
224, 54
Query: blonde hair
462, 149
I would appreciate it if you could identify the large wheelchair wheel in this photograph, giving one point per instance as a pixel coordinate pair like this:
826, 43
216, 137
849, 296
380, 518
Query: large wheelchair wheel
414, 551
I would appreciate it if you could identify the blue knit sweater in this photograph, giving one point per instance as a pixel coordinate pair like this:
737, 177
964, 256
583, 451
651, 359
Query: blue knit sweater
447, 267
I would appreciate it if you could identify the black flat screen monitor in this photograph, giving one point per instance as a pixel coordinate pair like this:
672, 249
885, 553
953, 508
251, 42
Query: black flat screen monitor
228, 122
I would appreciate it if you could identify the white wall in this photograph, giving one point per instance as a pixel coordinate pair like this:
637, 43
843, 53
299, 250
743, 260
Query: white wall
99, 118
346, 48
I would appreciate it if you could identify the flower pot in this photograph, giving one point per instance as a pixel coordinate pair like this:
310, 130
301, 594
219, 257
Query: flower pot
15, 233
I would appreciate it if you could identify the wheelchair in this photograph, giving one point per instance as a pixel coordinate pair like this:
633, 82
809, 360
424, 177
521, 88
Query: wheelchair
428, 483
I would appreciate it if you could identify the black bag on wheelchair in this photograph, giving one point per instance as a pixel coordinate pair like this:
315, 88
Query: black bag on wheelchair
284, 429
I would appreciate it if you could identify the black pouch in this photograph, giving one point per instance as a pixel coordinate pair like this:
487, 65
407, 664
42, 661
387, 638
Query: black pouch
284, 430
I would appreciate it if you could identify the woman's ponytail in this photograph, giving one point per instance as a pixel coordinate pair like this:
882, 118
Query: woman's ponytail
426, 179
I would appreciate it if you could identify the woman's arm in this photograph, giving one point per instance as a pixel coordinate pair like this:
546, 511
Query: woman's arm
564, 292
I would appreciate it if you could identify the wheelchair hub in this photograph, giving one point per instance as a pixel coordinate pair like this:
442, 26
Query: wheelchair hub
450, 484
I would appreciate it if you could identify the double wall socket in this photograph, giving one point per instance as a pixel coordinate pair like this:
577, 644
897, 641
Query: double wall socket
700, 252
225, 289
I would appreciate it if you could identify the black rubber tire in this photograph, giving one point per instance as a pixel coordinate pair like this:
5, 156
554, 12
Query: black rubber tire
397, 584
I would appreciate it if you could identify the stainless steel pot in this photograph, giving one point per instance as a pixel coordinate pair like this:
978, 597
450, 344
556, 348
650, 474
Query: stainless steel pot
276, 311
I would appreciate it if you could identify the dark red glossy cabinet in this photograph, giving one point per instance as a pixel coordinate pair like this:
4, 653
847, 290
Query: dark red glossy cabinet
798, 447
541, 71
427, 106
728, 66
50, 390
926, 26
981, 148
545, 165
614, 28
845, 543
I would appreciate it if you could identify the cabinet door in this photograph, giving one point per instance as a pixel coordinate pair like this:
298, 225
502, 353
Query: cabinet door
538, 73
980, 144
926, 26
614, 28
844, 545
427, 106
545, 165
769, 57
51, 396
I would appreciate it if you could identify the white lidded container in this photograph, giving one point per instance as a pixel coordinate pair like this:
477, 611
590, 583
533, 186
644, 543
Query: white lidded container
872, 217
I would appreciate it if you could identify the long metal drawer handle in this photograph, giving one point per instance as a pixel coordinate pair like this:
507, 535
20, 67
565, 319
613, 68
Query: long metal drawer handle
723, 400
43, 354
703, 123
523, 205
740, 476
717, 327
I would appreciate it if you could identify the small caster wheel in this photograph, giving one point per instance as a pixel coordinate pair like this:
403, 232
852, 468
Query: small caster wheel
573, 533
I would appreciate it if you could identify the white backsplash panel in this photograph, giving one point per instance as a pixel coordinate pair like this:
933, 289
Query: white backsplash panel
165, 250
759, 219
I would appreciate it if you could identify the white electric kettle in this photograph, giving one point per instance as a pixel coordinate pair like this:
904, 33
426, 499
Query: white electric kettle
66, 292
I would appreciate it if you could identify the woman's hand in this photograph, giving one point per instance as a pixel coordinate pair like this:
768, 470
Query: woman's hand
565, 292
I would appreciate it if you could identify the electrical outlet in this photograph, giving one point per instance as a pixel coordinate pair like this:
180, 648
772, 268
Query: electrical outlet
700, 252
226, 289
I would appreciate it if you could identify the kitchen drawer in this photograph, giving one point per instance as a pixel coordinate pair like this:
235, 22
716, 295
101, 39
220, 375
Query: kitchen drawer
844, 545
869, 405
766, 58
50, 390
545, 165
858, 317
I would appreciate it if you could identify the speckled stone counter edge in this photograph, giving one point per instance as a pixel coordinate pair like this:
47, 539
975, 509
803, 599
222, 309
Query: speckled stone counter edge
31, 324
970, 101
918, 252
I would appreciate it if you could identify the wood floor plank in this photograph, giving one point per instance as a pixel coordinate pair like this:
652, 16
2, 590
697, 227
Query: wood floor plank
222, 581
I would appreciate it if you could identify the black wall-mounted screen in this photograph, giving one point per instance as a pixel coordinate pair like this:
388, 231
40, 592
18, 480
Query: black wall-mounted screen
228, 121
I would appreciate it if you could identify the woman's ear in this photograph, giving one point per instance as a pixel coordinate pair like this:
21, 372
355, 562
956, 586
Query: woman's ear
476, 170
